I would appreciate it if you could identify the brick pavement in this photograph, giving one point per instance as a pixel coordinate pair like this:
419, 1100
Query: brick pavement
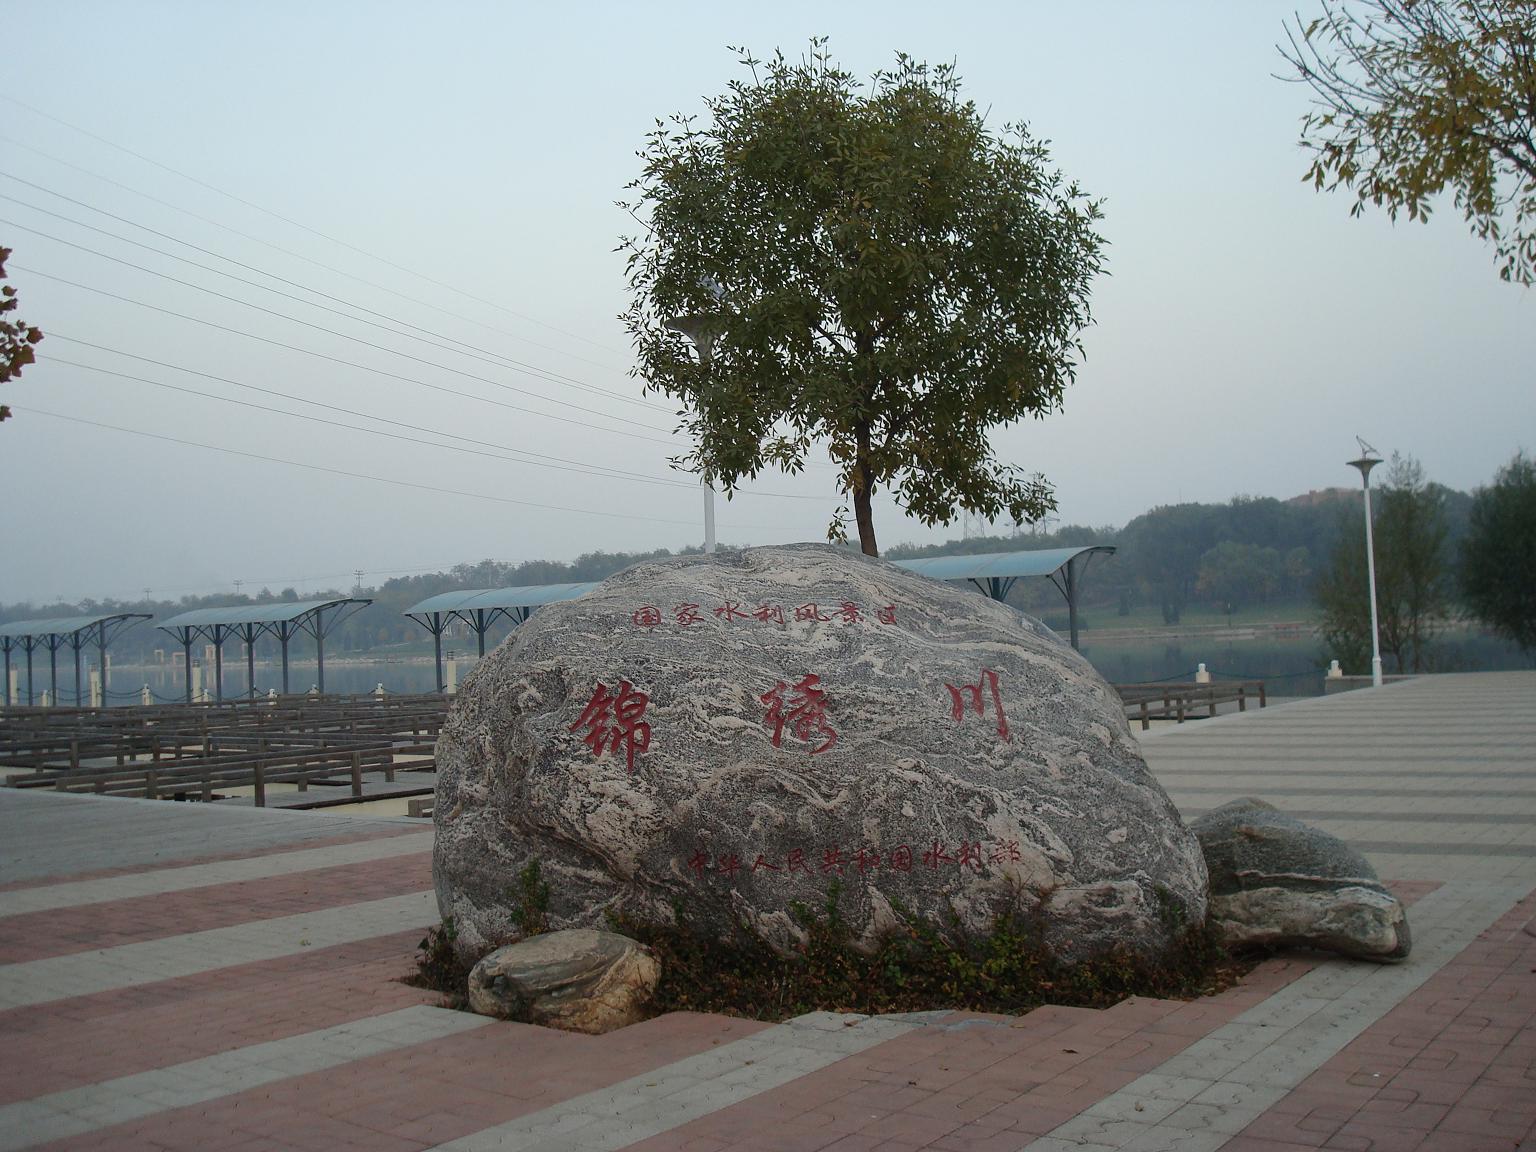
174, 979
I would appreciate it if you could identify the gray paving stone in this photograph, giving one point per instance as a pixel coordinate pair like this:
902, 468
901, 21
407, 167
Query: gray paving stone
668, 1097
59, 834
128, 965
165, 880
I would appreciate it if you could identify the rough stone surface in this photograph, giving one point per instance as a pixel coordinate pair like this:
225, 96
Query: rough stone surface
579, 979
965, 803
1277, 881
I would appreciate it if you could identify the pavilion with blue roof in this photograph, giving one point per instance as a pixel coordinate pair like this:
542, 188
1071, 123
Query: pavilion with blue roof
75, 631
282, 620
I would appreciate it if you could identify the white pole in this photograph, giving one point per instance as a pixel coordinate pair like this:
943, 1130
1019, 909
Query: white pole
709, 516
1370, 568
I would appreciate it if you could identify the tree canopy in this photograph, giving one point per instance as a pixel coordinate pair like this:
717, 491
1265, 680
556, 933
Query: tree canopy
17, 338
1498, 554
1416, 97
1412, 575
868, 265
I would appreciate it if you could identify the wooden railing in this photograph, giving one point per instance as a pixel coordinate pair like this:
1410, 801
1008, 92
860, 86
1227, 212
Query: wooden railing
1148, 702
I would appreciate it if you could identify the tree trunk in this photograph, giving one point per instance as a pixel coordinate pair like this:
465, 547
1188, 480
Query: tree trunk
866, 521
863, 491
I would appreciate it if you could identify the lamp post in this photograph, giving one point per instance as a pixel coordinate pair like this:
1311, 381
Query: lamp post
700, 329
1365, 464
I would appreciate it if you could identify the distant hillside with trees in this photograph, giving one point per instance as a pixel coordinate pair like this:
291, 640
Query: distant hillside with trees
1246, 556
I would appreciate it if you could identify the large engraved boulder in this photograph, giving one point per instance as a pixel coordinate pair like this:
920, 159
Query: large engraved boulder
723, 737
1276, 881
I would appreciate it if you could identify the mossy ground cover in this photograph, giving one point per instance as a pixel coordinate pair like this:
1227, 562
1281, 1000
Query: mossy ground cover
919, 966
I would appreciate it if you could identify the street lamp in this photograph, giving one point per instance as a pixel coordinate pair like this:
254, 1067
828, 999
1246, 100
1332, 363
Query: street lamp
700, 328
1367, 461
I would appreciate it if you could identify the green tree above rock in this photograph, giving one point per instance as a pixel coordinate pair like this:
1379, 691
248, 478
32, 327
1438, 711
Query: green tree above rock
869, 265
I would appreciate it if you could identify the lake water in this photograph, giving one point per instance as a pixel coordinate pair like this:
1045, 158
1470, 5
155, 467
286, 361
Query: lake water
1291, 667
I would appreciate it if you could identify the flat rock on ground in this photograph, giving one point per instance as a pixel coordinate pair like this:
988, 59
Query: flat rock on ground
580, 980
1278, 881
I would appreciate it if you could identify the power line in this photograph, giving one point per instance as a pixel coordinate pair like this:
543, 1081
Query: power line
290, 252
605, 474
357, 475
320, 327
294, 223
474, 351
337, 359
370, 431
52, 335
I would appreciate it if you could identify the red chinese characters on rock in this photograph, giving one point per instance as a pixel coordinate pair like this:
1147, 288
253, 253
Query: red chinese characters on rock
732, 611
972, 694
614, 721
970, 856
803, 710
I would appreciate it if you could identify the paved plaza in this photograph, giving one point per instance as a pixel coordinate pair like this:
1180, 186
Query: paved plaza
200, 977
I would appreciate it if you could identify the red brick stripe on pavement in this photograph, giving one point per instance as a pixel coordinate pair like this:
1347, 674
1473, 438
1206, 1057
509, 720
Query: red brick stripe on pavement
88, 1039
61, 931
994, 1082
1450, 1069
976, 1081
423, 1095
373, 833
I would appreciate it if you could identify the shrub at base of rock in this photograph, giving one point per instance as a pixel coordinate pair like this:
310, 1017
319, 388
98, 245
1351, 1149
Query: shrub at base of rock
579, 980
1276, 881
714, 740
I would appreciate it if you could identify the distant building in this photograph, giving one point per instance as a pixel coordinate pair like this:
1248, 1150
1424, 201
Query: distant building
1321, 496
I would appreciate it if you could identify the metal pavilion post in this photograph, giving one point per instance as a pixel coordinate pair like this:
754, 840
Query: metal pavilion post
437, 650
249, 636
320, 648
29, 643
217, 636
5, 644
53, 669
282, 636
1072, 600
101, 658
186, 657
74, 642
480, 627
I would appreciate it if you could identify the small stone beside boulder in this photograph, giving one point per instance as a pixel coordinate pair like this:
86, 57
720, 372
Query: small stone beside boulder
581, 980
1277, 881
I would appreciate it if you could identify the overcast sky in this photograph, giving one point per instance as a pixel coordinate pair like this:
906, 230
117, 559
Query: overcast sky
454, 167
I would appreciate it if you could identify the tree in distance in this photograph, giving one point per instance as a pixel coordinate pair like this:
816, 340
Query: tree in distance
17, 338
868, 264
1235, 575
1412, 574
1414, 97
1498, 554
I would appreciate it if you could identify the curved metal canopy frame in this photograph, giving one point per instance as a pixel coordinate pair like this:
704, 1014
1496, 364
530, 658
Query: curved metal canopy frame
249, 622
995, 573
479, 608
75, 631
